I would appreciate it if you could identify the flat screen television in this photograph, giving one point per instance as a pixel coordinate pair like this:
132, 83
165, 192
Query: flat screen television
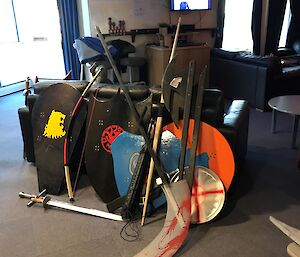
190, 5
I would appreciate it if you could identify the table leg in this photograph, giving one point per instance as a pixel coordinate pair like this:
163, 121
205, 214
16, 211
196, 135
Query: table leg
274, 118
295, 127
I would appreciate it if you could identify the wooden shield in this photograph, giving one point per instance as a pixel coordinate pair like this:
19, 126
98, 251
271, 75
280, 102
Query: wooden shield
50, 122
109, 119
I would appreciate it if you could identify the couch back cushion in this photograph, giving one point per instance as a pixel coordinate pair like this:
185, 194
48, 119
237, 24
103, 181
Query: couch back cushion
271, 62
220, 53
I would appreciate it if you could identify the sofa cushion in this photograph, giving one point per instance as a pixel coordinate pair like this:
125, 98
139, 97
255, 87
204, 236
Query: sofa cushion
264, 61
137, 92
272, 62
217, 52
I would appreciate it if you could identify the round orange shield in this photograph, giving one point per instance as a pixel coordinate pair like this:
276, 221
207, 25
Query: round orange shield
211, 141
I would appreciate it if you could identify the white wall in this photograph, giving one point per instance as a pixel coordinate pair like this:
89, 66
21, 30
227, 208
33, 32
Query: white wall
139, 14
144, 14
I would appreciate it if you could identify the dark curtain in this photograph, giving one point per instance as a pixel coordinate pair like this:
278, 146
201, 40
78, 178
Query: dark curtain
275, 21
220, 23
256, 25
294, 28
70, 31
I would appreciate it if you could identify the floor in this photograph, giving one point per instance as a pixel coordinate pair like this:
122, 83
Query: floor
268, 184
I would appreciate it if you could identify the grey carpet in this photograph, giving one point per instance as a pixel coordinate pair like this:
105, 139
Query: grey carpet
268, 184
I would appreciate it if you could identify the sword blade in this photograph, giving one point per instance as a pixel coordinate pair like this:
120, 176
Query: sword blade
291, 232
93, 212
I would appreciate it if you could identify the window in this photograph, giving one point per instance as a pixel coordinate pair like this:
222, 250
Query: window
8, 29
237, 25
285, 25
32, 41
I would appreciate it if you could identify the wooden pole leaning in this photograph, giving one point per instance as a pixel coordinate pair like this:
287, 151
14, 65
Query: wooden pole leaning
26, 91
67, 138
143, 132
157, 133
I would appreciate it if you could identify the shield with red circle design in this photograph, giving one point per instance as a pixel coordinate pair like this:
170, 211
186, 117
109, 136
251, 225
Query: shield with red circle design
107, 119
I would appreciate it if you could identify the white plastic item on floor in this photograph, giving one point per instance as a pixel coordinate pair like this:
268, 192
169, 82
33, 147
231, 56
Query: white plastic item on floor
293, 250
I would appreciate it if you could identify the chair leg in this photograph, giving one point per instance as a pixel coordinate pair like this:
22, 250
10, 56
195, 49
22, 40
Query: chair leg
81, 71
130, 74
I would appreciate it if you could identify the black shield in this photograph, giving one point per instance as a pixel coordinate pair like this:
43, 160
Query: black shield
108, 119
174, 90
51, 117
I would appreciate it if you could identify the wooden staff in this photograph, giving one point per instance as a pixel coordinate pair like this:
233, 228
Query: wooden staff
26, 91
158, 131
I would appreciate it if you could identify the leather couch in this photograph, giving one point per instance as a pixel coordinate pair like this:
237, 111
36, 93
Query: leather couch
253, 78
232, 122
42, 85
231, 119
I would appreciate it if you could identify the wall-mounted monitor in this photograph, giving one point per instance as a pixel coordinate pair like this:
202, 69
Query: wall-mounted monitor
190, 5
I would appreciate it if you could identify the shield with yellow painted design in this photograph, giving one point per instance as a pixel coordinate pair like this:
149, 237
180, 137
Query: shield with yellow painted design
50, 122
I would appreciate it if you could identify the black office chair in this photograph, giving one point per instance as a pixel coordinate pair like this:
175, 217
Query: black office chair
123, 60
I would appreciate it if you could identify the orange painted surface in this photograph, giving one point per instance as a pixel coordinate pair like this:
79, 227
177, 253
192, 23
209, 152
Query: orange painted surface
211, 141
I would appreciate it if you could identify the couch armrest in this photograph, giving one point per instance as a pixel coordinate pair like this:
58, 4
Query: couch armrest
31, 100
235, 129
26, 129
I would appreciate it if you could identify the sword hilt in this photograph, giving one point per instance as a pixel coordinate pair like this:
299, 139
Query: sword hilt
46, 199
33, 198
